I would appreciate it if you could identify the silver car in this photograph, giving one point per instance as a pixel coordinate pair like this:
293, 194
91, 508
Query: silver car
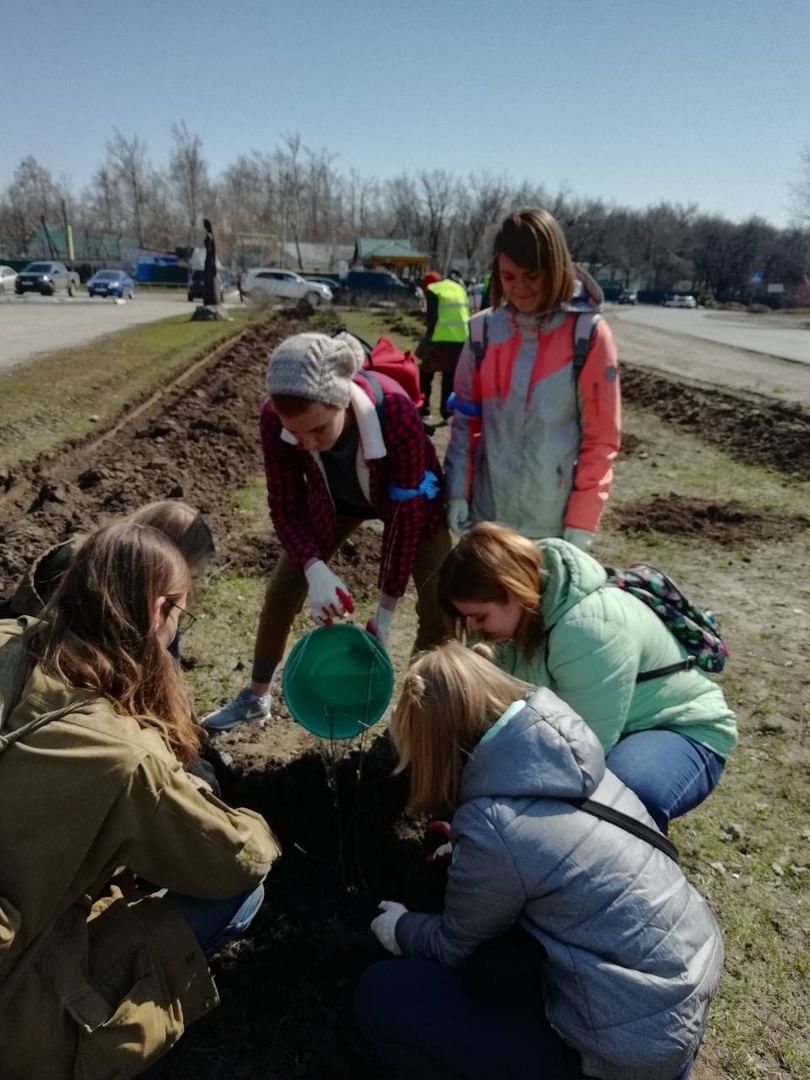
285, 284
7, 279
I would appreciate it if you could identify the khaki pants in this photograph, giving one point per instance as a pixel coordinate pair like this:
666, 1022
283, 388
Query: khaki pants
287, 590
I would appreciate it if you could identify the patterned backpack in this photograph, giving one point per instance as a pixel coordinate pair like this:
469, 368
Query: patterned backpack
696, 630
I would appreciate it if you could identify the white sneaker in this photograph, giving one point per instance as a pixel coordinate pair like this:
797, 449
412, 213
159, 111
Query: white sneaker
245, 707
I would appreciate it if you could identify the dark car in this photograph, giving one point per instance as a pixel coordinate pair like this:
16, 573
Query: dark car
330, 281
47, 278
196, 283
628, 297
111, 283
378, 283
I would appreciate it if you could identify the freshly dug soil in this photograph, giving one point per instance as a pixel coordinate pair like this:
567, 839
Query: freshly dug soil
286, 990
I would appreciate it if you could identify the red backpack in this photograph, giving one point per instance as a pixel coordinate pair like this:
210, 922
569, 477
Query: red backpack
386, 358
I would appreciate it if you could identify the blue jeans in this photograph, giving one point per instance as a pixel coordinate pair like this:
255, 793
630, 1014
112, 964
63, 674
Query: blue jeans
669, 772
216, 922
419, 1018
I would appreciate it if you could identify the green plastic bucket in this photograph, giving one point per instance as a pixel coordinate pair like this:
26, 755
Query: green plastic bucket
338, 681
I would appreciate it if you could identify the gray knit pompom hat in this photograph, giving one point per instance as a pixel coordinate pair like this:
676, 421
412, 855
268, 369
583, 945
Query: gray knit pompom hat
315, 366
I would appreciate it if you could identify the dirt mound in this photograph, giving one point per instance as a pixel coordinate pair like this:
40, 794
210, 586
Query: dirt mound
757, 431
723, 523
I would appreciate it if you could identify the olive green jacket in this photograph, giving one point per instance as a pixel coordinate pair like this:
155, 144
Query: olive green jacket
97, 977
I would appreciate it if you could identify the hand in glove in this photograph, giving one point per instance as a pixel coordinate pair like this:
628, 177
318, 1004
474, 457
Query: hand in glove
385, 925
380, 623
458, 512
580, 538
439, 831
328, 596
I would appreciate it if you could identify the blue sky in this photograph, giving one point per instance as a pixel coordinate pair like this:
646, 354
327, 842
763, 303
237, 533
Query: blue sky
635, 101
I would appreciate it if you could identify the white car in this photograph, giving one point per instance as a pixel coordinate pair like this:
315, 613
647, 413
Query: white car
286, 285
680, 301
7, 279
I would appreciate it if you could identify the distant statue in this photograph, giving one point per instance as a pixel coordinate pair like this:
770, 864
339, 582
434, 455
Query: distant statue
211, 297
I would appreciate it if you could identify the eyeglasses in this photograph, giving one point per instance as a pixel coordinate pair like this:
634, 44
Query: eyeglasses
185, 620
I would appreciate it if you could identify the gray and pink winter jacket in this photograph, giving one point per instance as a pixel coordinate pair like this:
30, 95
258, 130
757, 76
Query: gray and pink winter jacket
531, 445
633, 953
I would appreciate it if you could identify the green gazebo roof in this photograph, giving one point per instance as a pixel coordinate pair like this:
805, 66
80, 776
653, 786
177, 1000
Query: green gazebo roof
388, 249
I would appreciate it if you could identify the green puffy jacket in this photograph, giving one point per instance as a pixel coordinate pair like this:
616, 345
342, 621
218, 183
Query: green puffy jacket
599, 639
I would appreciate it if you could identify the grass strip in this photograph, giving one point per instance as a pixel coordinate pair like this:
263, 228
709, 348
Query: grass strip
66, 394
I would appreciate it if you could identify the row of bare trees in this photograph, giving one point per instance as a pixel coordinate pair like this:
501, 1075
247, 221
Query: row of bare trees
293, 194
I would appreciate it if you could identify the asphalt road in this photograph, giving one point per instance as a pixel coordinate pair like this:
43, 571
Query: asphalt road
767, 354
738, 352
31, 325
784, 336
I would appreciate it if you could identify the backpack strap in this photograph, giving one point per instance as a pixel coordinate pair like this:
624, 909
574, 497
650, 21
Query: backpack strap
34, 725
583, 331
343, 329
624, 821
479, 337
686, 664
430, 482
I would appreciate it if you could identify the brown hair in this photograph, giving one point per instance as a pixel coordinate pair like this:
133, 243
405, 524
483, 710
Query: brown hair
97, 631
295, 405
532, 238
490, 564
451, 696
184, 526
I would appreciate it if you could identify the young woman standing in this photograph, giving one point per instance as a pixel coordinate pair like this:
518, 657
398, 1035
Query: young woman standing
537, 413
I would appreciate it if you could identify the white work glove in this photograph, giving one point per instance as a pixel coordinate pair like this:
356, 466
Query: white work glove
580, 538
385, 925
328, 596
380, 623
458, 513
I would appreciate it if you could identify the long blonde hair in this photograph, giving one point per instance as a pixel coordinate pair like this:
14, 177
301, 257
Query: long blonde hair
97, 631
492, 563
533, 240
451, 696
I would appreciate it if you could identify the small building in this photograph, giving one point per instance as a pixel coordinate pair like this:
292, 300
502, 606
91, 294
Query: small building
390, 252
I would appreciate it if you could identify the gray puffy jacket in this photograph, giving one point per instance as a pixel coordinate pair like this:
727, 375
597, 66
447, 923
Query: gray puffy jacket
634, 954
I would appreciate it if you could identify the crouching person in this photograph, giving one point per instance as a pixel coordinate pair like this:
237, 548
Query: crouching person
341, 446
119, 871
570, 946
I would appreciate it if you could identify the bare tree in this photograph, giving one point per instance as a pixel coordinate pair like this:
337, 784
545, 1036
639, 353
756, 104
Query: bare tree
127, 164
438, 190
800, 191
188, 172
480, 205
31, 196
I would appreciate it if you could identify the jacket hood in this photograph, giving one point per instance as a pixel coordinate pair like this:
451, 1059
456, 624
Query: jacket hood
570, 576
542, 750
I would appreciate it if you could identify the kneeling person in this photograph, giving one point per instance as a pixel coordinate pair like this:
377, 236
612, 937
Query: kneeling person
341, 446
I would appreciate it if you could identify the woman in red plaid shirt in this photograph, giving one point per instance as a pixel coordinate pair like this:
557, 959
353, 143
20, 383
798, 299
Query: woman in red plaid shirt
341, 445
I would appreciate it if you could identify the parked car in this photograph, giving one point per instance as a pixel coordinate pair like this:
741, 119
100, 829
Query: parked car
196, 283
680, 301
111, 283
7, 279
332, 282
285, 284
378, 283
628, 297
47, 278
